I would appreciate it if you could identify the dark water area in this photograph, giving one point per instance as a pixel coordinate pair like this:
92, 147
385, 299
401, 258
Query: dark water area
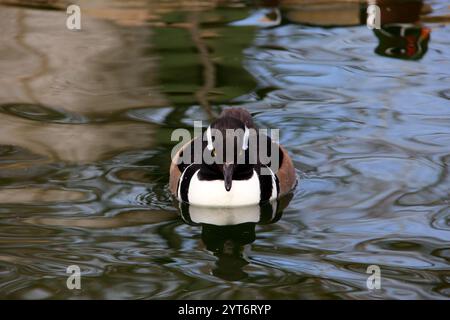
85, 124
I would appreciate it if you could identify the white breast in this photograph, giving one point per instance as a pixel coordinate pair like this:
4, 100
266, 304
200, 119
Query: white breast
225, 216
213, 193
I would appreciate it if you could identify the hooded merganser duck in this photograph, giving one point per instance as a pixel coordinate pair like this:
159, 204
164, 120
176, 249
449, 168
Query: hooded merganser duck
234, 181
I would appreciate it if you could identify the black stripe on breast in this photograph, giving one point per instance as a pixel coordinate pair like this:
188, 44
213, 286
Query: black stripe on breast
208, 173
183, 186
277, 183
265, 185
271, 144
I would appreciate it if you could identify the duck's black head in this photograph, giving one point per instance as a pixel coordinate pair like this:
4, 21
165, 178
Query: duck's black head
226, 152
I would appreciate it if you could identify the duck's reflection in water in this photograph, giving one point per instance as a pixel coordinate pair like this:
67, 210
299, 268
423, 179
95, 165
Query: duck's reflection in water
228, 243
227, 231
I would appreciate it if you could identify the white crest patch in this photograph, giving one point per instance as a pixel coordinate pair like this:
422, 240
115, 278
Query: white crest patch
209, 138
246, 137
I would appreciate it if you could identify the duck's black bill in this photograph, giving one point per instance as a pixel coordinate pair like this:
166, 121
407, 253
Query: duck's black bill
228, 175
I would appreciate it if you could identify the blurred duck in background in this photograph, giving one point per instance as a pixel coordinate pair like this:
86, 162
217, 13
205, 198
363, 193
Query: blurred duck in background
401, 34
